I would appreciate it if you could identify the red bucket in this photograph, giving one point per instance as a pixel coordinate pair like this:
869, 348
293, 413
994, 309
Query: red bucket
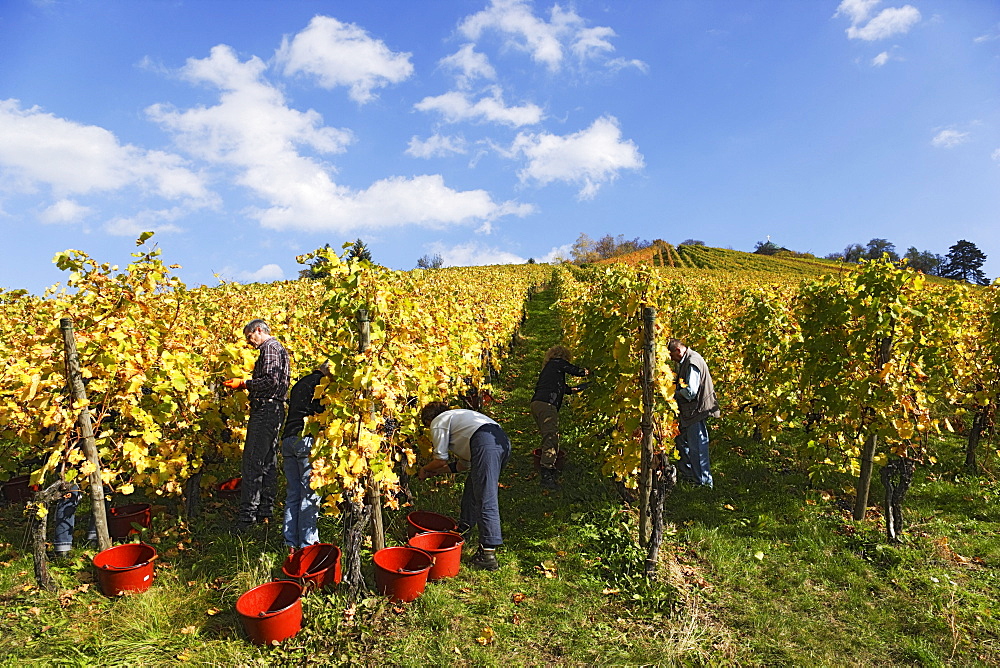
424, 521
230, 489
536, 455
122, 517
17, 489
445, 547
126, 567
271, 612
318, 564
401, 572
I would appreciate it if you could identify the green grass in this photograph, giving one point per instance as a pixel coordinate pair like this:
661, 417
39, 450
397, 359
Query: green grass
764, 570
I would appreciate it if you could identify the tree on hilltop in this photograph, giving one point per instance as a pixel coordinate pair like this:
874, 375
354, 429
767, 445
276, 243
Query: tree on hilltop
359, 251
964, 261
876, 247
767, 248
925, 261
430, 262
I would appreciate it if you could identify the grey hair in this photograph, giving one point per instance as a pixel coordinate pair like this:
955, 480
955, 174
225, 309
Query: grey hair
674, 344
255, 325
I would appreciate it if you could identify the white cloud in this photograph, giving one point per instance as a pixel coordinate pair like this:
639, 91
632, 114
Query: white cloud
343, 54
150, 220
949, 138
251, 124
38, 148
253, 131
546, 41
473, 254
592, 42
64, 211
266, 274
435, 146
420, 200
617, 64
887, 23
881, 59
996, 155
558, 254
857, 10
455, 107
591, 157
469, 65
987, 37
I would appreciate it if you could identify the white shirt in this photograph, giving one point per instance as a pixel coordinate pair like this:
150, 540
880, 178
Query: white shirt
453, 430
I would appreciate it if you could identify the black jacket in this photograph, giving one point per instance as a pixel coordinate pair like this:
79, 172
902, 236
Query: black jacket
301, 404
551, 385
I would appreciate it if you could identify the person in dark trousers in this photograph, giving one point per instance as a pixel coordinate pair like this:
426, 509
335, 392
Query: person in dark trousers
268, 390
545, 405
696, 402
481, 447
301, 502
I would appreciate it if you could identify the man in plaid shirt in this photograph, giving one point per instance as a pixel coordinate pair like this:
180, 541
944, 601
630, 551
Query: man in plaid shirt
268, 389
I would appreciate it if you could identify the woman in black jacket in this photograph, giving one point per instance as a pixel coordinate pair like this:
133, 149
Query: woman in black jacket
545, 405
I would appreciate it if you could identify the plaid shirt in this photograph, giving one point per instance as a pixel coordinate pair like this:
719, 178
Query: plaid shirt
271, 372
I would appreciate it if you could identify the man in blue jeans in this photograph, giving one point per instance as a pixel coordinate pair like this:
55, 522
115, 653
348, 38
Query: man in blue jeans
696, 402
481, 447
301, 502
268, 389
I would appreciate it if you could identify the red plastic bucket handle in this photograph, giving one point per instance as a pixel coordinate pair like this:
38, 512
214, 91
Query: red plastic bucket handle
330, 560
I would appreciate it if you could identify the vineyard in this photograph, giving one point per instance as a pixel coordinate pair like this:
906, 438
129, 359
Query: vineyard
855, 458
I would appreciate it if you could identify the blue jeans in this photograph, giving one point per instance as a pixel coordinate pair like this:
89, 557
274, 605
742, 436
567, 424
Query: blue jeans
490, 449
260, 461
692, 444
65, 519
301, 502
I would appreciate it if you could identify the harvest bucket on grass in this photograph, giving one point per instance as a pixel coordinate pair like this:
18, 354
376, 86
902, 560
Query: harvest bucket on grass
401, 572
536, 455
17, 490
424, 521
230, 489
318, 564
445, 547
121, 518
272, 611
126, 567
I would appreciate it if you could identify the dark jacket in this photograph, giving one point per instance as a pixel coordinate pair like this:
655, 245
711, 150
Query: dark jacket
705, 404
551, 385
301, 404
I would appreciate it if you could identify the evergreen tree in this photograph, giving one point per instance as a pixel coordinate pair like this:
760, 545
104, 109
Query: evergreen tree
359, 251
964, 261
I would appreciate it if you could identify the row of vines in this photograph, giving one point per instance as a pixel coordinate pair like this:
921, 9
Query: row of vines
154, 353
844, 372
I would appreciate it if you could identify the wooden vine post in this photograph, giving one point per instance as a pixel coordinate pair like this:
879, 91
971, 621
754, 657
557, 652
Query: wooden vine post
374, 497
79, 395
646, 424
868, 451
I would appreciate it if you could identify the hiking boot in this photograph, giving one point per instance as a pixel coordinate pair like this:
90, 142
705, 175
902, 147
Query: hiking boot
550, 480
484, 559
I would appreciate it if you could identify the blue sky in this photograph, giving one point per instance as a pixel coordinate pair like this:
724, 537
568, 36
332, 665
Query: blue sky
247, 132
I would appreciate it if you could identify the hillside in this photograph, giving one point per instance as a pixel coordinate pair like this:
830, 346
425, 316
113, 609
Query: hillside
718, 261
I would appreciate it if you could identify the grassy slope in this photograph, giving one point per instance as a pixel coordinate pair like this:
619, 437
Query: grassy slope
763, 570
